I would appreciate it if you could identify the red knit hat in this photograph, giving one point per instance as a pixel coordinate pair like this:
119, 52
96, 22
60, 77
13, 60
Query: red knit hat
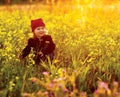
37, 23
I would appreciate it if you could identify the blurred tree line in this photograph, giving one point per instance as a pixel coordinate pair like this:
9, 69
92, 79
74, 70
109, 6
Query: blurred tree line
17, 1
7, 2
27, 1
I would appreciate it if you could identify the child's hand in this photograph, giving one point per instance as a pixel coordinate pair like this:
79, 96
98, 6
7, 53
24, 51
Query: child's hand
20, 57
40, 53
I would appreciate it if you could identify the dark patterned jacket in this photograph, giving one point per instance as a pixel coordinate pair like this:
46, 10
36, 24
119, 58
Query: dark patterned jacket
45, 44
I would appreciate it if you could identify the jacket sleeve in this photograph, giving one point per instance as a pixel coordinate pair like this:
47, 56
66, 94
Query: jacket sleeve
50, 46
27, 49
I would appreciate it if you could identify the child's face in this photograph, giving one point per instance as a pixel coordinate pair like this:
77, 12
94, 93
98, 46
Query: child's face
39, 32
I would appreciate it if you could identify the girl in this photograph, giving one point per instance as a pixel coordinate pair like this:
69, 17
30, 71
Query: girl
41, 43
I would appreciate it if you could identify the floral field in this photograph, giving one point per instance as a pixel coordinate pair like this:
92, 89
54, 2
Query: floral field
87, 54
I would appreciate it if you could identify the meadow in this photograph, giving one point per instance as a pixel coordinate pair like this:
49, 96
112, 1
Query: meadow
87, 54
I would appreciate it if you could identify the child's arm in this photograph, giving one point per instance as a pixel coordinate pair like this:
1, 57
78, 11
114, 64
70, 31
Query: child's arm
27, 49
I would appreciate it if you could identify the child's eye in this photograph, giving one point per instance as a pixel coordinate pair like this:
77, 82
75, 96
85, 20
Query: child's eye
38, 28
